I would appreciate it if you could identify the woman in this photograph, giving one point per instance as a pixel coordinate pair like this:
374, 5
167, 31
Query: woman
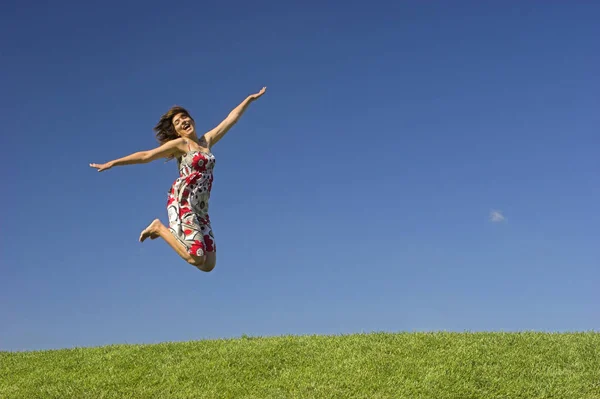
189, 232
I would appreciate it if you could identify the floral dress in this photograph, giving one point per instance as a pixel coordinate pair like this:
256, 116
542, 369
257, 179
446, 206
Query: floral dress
187, 204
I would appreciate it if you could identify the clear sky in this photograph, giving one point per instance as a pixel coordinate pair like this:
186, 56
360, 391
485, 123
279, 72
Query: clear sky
413, 166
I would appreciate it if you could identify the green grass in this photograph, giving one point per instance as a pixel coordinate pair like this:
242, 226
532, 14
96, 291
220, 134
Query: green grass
378, 365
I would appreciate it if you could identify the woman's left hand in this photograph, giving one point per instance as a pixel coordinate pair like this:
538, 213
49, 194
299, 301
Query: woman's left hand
260, 93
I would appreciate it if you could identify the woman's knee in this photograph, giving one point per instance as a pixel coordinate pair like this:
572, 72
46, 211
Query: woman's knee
210, 262
203, 263
196, 260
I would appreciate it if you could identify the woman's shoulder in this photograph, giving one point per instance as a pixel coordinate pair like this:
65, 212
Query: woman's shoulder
179, 143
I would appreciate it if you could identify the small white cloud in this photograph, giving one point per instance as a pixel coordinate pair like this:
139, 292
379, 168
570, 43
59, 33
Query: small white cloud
496, 217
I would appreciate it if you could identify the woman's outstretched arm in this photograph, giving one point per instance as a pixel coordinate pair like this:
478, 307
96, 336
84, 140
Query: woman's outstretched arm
170, 148
216, 134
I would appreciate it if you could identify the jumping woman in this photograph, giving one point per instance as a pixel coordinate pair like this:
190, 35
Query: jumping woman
189, 232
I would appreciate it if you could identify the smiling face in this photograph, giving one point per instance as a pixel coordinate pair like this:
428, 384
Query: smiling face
184, 125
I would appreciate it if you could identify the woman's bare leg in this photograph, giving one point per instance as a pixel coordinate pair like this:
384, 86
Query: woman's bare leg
210, 262
157, 229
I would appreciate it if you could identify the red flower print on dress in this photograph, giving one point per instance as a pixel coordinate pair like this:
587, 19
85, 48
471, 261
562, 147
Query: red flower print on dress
209, 243
184, 211
188, 203
192, 179
197, 246
199, 162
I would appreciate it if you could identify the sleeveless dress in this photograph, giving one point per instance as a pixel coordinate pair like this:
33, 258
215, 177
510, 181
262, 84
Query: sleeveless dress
187, 205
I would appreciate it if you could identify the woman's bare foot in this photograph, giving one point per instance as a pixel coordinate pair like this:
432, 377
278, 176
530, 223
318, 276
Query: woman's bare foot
151, 231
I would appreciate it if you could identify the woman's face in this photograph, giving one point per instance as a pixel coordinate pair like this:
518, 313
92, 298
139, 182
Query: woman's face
184, 125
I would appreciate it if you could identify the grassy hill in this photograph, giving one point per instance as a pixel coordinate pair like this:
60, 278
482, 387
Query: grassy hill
377, 365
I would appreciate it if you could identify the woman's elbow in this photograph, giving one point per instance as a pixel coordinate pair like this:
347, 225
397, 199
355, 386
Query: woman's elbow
146, 157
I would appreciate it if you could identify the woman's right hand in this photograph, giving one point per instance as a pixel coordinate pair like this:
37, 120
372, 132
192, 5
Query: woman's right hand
102, 167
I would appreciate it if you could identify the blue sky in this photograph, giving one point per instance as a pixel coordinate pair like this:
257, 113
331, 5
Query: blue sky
355, 196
